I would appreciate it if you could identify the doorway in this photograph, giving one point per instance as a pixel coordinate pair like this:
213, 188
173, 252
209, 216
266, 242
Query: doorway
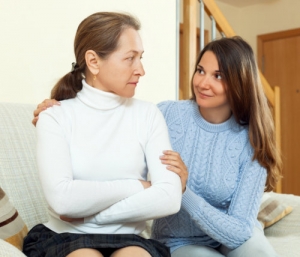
279, 61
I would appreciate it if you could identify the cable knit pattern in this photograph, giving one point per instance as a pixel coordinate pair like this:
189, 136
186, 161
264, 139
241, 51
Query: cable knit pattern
224, 187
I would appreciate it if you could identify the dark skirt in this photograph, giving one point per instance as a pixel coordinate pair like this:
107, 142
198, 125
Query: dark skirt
43, 242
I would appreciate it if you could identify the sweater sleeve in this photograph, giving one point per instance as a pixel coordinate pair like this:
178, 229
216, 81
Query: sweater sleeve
65, 195
163, 197
233, 228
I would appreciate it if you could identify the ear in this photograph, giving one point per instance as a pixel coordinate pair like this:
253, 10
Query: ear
92, 61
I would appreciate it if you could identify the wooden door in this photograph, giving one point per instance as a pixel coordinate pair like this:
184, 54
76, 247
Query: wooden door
279, 61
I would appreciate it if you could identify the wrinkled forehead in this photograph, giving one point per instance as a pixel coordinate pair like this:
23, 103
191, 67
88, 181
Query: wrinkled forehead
130, 41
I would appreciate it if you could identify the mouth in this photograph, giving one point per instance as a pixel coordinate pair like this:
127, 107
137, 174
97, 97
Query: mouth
134, 83
202, 95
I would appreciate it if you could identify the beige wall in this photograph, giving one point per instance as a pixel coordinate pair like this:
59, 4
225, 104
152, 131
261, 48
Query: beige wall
37, 40
37, 45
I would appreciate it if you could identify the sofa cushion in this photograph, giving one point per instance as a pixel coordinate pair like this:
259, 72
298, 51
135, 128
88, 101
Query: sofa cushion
7, 250
271, 210
18, 170
285, 234
12, 227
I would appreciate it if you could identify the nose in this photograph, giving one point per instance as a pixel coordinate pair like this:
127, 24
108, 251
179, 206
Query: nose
204, 82
201, 81
139, 69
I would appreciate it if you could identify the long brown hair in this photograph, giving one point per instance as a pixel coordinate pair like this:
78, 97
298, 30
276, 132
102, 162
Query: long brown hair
247, 101
99, 32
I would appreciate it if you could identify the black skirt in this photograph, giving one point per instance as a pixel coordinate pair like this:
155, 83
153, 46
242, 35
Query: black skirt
43, 242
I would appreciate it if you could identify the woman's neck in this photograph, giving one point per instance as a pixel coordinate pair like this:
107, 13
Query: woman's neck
99, 99
215, 115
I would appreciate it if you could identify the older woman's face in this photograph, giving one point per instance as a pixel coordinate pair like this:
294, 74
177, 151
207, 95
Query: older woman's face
121, 71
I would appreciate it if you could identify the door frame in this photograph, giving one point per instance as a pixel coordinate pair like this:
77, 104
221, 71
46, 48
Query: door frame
185, 84
261, 39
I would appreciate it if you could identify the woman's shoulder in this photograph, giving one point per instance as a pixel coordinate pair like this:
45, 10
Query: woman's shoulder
141, 105
175, 106
142, 109
238, 143
238, 134
62, 110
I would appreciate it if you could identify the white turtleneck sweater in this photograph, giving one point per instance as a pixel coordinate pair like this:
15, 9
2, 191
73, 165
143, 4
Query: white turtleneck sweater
91, 153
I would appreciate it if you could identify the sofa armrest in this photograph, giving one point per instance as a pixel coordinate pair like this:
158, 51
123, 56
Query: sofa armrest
8, 250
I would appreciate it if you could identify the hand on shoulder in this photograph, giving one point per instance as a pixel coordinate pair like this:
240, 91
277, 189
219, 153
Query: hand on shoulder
41, 107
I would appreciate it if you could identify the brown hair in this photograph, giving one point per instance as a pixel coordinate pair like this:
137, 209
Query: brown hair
99, 32
247, 100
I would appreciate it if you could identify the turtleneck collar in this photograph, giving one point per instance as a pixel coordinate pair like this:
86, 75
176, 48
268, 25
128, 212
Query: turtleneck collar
228, 124
99, 99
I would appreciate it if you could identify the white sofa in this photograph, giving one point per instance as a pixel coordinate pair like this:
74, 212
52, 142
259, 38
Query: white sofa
19, 179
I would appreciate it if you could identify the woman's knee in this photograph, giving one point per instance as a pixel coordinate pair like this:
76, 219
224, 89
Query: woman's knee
84, 252
196, 251
132, 251
257, 245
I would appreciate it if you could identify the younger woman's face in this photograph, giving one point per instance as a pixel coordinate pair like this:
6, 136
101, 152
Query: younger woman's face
210, 87
121, 71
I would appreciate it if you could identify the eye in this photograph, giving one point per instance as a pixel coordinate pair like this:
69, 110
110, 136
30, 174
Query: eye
218, 76
130, 58
200, 70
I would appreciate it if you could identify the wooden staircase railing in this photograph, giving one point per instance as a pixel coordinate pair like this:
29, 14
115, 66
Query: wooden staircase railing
189, 48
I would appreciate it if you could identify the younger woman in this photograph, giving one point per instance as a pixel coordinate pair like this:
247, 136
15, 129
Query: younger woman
225, 136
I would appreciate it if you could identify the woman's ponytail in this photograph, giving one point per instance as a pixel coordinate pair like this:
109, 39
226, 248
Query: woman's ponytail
99, 32
68, 86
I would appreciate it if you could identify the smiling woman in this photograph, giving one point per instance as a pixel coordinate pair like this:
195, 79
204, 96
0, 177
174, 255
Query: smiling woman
225, 135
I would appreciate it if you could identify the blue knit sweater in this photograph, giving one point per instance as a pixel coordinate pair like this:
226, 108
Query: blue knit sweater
224, 186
